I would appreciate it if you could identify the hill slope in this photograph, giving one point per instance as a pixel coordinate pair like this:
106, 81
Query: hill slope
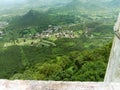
32, 18
75, 66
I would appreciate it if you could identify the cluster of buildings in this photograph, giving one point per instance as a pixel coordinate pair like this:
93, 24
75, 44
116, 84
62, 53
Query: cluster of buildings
1, 33
3, 24
65, 34
56, 31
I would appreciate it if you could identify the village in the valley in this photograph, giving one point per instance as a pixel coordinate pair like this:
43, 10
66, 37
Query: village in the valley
50, 35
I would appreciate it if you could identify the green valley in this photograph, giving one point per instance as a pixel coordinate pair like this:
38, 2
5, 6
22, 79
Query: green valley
66, 40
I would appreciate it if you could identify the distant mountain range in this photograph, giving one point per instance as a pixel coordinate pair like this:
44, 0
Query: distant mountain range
115, 3
35, 18
71, 4
37, 3
94, 0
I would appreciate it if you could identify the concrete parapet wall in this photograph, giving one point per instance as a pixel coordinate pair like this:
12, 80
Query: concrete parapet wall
56, 85
113, 68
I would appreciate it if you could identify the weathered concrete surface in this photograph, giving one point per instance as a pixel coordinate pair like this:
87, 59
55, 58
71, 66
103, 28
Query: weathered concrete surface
113, 69
52, 85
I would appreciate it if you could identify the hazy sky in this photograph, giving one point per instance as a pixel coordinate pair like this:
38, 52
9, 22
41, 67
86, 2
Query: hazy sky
21, 1
10, 1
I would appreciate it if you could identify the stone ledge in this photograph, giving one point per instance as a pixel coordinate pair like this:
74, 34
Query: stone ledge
56, 85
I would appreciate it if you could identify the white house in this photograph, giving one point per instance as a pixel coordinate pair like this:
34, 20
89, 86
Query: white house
1, 33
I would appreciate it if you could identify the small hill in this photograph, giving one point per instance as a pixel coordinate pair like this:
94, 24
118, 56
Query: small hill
40, 19
32, 18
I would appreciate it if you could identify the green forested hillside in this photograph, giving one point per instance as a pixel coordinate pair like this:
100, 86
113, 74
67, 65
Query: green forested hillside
40, 19
64, 62
72, 66
32, 18
10, 62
